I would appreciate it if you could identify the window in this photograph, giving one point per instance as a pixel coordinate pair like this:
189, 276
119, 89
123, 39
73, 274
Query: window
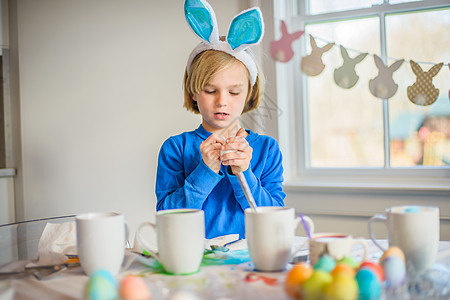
367, 118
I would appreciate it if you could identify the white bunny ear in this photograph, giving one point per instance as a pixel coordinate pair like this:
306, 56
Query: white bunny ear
246, 29
202, 20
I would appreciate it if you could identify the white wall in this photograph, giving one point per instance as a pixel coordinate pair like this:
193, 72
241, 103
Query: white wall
100, 89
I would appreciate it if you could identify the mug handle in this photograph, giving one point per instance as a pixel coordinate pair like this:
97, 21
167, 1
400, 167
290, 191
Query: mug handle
364, 244
375, 218
143, 242
127, 236
309, 222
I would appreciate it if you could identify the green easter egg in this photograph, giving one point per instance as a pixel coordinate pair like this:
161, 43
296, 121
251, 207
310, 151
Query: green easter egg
101, 286
350, 261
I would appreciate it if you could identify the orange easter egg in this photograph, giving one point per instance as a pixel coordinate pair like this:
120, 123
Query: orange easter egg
343, 269
134, 288
295, 278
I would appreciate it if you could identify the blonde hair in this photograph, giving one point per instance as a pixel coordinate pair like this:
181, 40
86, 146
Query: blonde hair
204, 67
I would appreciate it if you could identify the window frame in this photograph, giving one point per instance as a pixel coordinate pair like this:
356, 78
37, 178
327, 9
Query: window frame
292, 119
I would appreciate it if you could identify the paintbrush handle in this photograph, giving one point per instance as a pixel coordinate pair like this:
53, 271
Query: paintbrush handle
247, 192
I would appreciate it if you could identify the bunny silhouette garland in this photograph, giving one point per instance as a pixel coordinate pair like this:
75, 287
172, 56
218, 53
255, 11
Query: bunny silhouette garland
345, 76
422, 92
383, 86
281, 50
312, 64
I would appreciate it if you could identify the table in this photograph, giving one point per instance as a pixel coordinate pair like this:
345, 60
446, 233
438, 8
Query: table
230, 281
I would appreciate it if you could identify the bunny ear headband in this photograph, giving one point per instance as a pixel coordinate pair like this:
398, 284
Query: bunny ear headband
246, 30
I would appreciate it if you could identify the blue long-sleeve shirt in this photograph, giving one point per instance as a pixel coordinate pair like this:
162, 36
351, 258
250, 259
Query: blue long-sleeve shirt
183, 180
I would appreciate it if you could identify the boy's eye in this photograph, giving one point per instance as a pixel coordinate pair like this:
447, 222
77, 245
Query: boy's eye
234, 93
210, 91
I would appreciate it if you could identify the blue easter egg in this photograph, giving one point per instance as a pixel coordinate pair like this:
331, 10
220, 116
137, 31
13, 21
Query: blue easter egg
325, 263
102, 286
368, 284
394, 271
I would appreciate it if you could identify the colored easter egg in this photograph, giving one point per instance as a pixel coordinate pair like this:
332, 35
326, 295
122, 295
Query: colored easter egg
393, 251
343, 287
325, 263
314, 286
134, 288
368, 284
343, 269
348, 260
375, 267
295, 278
101, 286
394, 271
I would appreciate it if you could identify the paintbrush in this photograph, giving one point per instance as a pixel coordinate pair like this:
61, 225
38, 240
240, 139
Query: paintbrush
247, 192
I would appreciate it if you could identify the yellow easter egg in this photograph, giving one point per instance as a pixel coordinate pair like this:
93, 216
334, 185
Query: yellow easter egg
343, 287
313, 287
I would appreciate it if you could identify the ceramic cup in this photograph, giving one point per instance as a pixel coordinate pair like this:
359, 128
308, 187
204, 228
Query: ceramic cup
336, 245
180, 235
415, 230
101, 239
270, 235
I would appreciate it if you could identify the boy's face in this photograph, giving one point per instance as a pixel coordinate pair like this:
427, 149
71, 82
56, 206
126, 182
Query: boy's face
222, 100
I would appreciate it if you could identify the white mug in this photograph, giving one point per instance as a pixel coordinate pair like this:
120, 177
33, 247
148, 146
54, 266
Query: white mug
415, 230
336, 245
270, 235
101, 239
180, 235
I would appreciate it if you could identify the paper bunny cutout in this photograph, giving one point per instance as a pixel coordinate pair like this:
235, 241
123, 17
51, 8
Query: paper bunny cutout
383, 86
246, 30
312, 64
345, 76
281, 50
423, 92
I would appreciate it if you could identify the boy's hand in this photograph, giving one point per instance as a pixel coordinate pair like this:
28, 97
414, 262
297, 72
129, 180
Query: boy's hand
210, 150
237, 153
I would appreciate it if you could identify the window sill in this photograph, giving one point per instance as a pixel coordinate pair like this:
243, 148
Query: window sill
384, 184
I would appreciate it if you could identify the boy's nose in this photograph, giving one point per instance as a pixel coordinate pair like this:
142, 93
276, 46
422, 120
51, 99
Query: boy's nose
221, 99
